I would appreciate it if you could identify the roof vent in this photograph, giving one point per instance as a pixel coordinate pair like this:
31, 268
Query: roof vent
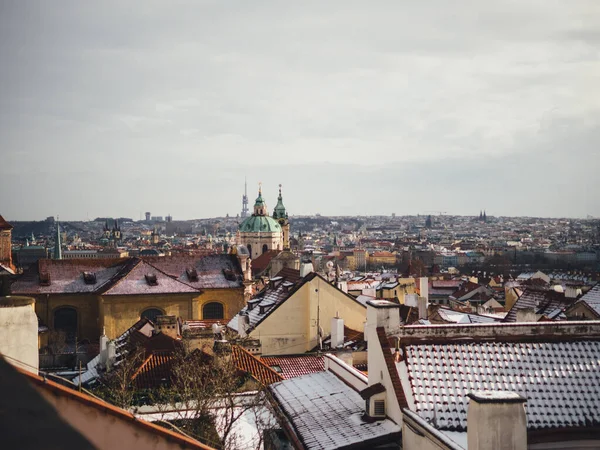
89, 277
151, 279
264, 308
192, 273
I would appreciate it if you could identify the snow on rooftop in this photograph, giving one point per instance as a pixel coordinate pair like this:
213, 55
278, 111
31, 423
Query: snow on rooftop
326, 413
560, 380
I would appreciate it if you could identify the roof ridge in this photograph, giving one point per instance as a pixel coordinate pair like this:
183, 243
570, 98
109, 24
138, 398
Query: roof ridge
122, 273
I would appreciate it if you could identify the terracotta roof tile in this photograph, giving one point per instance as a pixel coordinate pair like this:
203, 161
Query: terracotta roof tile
246, 362
295, 366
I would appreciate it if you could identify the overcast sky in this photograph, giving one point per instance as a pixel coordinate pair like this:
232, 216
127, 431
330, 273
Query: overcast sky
367, 107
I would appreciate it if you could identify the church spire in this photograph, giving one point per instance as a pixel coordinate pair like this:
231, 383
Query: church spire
57, 243
279, 212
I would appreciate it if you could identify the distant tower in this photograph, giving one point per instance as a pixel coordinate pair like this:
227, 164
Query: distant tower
428, 222
281, 216
57, 243
484, 216
147, 217
116, 232
245, 201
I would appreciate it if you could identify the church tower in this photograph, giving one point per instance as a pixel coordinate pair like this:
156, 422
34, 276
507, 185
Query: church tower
281, 216
260, 233
57, 243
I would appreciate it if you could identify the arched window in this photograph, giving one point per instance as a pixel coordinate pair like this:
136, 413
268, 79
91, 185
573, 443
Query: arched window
151, 314
213, 310
65, 319
250, 250
265, 248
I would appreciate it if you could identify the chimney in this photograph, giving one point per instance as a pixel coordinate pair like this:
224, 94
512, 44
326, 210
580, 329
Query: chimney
111, 354
411, 300
103, 347
337, 331
496, 419
243, 324
305, 269
424, 288
381, 313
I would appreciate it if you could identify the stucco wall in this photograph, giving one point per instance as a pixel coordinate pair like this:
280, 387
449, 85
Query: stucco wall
88, 322
121, 312
292, 327
19, 332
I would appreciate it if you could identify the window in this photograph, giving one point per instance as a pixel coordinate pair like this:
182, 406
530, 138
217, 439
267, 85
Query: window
152, 313
65, 319
250, 250
213, 310
265, 248
379, 408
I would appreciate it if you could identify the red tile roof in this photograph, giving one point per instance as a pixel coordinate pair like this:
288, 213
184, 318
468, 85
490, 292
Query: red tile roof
295, 366
246, 362
155, 371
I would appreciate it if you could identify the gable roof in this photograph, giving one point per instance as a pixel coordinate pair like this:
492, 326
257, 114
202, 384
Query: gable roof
592, 299
274, 295
246, 362
542, 301
136, 281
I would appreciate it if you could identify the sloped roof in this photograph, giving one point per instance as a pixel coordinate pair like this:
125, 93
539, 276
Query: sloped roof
592, 299
134, 282
127, 276
561, 380
117, 413
155, 371
452, 316
543, 301
66, 276
4, 225
325, 413
246, 362
260, 264
295, 365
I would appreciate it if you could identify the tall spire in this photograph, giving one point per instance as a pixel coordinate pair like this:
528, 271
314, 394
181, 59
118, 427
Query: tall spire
279, 212
245, 200
57, 243
260, 208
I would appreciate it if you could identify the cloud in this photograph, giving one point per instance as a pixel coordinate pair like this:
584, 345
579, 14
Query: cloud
175, 91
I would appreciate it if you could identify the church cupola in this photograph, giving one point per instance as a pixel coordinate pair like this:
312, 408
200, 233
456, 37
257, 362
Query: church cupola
260, 207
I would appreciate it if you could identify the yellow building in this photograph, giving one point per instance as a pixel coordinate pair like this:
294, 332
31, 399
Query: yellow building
83, 297
287, 314
382, 258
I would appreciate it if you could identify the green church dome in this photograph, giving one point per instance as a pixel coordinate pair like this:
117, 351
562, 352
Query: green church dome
264, 224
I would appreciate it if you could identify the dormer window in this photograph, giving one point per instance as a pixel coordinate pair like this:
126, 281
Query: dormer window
229, 275
192, 273
374, 397
89, 277
44, 279
151, 279
264, 308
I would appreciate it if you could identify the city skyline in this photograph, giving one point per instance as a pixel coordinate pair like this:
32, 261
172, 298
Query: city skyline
356, 109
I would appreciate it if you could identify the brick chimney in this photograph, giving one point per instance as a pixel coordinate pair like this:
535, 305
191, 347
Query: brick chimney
496, 420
